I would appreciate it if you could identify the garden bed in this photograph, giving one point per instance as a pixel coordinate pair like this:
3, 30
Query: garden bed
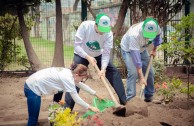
13, 108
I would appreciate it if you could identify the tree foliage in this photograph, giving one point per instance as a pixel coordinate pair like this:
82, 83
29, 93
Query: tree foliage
8, 32
163, 10
180, 48
19, 8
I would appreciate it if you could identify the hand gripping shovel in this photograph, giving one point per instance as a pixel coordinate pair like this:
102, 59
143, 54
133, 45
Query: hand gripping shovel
146, 76
120, 110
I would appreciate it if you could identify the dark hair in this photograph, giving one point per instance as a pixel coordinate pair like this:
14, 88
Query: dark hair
79, 69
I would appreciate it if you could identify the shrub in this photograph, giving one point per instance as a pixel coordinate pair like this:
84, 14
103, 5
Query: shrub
168, 89
59, 116
185, 90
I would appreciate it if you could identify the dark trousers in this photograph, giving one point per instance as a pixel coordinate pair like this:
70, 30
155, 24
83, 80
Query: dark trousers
112, 74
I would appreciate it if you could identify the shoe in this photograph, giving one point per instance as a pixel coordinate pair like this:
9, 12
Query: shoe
123, 103
148, 98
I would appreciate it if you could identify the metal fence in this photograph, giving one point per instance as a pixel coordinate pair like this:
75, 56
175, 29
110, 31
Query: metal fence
42, 34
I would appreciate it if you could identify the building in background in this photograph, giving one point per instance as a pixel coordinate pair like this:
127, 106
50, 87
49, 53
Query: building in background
72, 19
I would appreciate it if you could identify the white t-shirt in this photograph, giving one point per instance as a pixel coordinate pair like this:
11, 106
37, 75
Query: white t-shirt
51, 80
88, 42
134, 40
54, 79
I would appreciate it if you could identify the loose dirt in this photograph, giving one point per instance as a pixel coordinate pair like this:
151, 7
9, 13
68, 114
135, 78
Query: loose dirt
13, 107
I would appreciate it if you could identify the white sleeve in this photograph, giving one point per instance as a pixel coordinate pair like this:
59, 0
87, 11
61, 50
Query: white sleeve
78, 49
78, 100
79, 37
105, 58
86, 88
108, 45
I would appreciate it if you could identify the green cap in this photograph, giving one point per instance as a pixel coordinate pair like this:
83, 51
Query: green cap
150, 28
103, 22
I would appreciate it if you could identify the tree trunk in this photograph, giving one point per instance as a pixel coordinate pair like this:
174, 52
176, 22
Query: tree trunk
37, 21
118, 26
58, 59
90, 9
75, 5
121, 17
32, 57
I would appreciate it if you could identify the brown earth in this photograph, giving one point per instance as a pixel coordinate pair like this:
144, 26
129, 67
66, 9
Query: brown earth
13, 108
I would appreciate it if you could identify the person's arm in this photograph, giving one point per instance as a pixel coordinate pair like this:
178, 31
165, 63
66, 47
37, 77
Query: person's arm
108, 45
136, 57
82, 103
78, 49
86, 88
78, 100
105, 58
156, 42
79, 37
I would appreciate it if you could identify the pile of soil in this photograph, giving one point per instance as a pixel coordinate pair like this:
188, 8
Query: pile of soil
13, 107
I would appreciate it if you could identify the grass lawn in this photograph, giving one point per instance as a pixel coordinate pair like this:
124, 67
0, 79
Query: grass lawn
45, 52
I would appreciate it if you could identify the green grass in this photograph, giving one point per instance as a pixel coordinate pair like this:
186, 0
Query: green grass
45, 52
49, 46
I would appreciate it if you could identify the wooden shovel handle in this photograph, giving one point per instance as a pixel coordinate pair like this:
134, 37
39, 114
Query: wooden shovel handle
146, 75
148, 68
107, 87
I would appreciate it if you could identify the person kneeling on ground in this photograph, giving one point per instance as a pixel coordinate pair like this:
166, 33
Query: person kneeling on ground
50, 81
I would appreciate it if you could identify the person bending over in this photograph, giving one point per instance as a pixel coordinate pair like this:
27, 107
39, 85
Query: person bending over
51, 80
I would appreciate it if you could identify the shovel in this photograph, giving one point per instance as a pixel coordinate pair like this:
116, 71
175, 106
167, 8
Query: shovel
120, 110
146, 76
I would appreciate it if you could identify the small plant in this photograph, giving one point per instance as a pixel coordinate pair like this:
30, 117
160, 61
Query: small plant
181, 47
185, 90
168, 89
60, 116
159, 70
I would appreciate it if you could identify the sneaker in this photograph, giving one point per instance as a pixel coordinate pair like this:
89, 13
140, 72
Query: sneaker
123, 103
148, 98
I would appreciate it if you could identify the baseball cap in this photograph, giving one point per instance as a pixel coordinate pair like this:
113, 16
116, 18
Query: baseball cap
150, 28
103, 22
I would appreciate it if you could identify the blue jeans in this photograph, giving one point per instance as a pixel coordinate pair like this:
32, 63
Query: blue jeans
112, 75
132, 75
33, 102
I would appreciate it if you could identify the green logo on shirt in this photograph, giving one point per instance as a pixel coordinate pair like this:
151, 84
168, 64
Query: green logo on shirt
93, 45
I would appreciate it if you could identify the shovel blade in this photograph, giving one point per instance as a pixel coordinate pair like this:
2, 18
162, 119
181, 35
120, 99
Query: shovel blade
120, 111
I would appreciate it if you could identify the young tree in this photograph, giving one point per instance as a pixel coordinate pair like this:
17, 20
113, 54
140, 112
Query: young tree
21, 8
121, 17
58, 59
32, 57
163, 10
